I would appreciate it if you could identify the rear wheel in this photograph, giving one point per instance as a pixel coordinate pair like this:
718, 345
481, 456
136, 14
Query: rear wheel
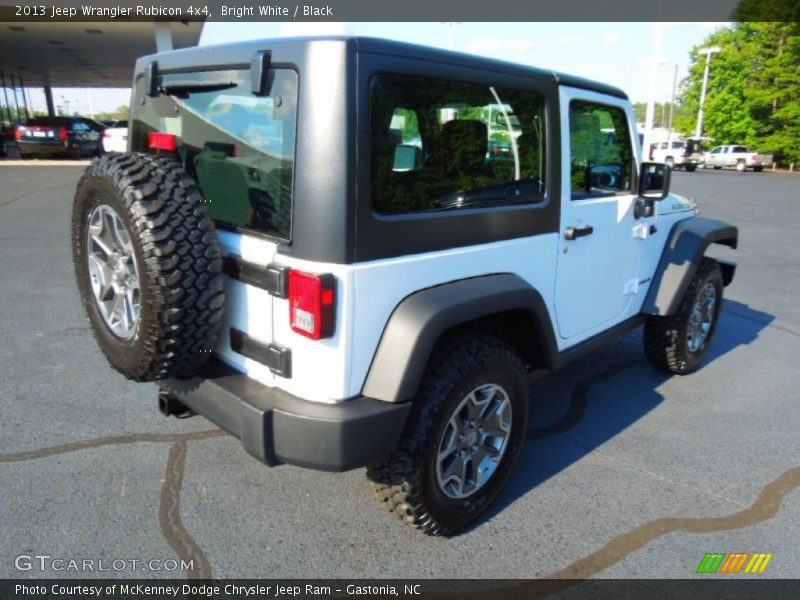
670, 162
462, 440
691, 168
148, 266
741, 166
678, 343
758, 169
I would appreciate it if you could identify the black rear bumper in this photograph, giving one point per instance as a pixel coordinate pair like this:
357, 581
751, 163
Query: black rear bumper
278, 428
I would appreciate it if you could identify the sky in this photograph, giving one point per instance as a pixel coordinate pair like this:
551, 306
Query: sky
617, 53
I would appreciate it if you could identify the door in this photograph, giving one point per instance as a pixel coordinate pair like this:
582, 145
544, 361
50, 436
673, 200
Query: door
600, 240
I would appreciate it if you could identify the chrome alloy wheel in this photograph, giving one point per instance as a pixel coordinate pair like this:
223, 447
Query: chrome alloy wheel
701, 318
113, 271
474, 441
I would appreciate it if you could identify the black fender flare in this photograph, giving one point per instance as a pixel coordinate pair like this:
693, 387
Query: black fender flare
685, 248
421, 318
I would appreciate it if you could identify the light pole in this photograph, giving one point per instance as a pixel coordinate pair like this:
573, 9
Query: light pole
668, 123
708, 52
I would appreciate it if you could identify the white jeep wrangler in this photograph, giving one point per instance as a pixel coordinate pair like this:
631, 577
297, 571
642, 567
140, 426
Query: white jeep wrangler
316, 245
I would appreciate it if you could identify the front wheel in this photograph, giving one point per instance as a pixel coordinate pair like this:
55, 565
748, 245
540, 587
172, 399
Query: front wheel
678, 343
691, 168
463, 437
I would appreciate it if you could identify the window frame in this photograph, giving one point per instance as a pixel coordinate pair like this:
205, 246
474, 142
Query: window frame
546, 197
632, 147
387, 236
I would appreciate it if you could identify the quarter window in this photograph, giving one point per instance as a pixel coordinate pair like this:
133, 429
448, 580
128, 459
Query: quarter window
447, 145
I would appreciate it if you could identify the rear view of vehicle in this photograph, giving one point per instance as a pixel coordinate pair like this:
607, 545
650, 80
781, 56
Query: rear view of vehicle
218, 248
677, 154
49, 136
115, 137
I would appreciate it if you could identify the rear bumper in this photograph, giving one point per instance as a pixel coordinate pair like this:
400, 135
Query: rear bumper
276, 427
42, 147
49, 147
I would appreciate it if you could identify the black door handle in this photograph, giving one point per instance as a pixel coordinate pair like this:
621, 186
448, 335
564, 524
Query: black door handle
572, 233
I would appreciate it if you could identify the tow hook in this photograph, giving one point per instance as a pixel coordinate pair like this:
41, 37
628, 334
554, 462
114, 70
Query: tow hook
169, 405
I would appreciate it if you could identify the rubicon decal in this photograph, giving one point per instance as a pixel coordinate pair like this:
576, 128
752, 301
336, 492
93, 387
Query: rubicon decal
734, 563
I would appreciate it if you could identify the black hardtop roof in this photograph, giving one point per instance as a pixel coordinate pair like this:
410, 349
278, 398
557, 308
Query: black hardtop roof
416, 51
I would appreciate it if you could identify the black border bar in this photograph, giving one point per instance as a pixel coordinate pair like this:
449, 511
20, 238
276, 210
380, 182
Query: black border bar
405, 11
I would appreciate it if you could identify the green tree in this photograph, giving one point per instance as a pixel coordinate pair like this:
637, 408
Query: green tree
753, 94
121, 113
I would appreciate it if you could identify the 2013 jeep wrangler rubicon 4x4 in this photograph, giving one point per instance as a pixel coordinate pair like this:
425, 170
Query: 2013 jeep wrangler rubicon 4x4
351, 252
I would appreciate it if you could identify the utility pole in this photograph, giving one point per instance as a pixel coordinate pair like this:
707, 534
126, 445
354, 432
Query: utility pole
672, 101
649, 113
707, 52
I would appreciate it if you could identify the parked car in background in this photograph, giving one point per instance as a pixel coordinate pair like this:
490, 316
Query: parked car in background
115, 137
47, 136
739, 157
677, 154
3, 146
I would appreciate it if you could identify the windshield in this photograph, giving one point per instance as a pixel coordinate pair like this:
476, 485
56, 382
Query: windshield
238, 146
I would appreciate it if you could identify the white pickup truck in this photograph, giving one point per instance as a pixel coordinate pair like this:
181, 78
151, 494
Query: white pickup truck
739, 157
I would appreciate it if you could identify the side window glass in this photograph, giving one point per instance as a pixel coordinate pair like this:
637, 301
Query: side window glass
601, 160
449, 145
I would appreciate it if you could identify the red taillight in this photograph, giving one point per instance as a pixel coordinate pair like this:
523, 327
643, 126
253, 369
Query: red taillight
312, 303
755, 157
18, 133
63, 134
163, 141
106, 134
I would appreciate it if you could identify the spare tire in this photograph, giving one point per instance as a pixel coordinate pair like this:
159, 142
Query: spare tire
148, 265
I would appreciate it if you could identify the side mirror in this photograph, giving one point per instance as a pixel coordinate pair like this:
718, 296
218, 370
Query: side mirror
654, 180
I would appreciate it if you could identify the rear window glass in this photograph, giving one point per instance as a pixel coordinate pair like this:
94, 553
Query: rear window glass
239, 147
447, 145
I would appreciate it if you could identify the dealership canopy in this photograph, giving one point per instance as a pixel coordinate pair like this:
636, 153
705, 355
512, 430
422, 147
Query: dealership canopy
97, 54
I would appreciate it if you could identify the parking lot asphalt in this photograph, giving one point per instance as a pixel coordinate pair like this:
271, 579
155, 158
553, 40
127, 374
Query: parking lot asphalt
627, 473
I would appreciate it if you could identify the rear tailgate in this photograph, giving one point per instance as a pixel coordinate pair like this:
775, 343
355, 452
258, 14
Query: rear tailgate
240, 149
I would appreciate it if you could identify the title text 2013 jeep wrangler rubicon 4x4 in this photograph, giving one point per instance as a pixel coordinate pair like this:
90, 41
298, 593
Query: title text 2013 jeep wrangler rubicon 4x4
313, 243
